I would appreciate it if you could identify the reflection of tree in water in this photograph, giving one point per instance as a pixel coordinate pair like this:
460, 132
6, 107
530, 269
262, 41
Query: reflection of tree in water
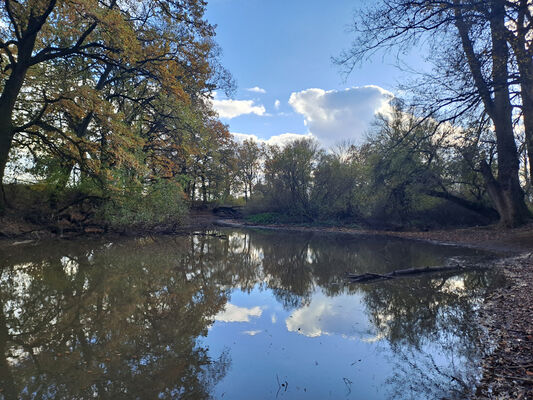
423, 319
123, 320
286, 265
108, 323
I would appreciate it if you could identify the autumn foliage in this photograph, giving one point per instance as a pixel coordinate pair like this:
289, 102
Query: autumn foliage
111, 97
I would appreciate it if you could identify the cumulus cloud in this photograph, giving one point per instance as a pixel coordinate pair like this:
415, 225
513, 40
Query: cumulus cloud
338, 115
229, 108
257, 89
233, 313
277, 103
278, 140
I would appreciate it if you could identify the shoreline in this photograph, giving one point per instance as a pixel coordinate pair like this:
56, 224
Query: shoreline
508, 242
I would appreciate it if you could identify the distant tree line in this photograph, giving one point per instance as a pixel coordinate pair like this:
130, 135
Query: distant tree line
409, 172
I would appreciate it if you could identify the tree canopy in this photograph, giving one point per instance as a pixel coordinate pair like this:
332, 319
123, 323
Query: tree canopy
118, 90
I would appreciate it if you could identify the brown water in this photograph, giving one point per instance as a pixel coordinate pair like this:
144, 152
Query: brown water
236, 314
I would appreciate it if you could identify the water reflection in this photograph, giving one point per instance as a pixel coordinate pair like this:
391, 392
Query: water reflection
229, 313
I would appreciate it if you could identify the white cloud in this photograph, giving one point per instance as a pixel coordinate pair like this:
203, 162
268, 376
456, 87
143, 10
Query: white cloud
337, 115
233, 108
233, 313
278, 140
257, 89
251, 333
277, 103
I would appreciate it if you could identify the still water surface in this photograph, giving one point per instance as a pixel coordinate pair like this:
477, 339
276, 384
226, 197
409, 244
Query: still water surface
235, 314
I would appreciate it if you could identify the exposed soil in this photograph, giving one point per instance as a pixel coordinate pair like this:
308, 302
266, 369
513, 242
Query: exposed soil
492, 237
14, 227
507, 316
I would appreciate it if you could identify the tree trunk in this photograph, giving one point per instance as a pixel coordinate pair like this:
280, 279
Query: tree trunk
518, 39
512, 207
204, 191
504, 191
476, 207
8, 99
6, 137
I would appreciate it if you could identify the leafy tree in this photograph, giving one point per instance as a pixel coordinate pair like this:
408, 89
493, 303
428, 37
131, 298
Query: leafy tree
107, 86
409, 159
337, 185
248, 165
289, 177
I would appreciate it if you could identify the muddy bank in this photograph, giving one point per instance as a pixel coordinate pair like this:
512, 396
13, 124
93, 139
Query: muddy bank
14, 228
507, 316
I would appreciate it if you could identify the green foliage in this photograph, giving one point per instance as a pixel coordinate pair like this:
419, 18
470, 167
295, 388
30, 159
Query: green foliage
126, 105
337, 184
265, 218
160, 203
408, 173
289, 179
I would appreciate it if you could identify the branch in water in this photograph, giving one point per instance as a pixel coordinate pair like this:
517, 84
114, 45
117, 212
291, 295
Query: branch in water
368, 277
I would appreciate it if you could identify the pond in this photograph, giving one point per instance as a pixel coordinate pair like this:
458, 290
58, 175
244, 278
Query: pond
237, 314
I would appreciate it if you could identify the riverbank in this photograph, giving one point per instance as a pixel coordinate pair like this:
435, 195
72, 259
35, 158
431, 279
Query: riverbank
507, 316
507, 241
17, 228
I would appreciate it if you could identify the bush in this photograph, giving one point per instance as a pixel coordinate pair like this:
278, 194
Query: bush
161, 203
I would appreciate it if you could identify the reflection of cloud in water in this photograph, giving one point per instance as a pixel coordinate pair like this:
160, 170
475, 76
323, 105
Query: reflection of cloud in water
274, 318
251, 333
343, 315
241, 242
233, 313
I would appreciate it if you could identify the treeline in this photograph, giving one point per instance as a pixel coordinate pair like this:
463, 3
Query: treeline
105, 108
107, 104
410, 172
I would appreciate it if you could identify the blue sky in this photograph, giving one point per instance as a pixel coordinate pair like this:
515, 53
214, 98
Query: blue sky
284, 49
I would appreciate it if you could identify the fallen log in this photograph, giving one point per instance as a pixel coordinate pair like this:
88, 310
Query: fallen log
367, 277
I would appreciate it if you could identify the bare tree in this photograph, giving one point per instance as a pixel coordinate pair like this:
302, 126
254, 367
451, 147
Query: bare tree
475, 77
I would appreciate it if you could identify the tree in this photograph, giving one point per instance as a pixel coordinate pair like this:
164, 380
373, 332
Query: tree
468, 41
337, 184
409, 159
248, 164
289, 176
107, 85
